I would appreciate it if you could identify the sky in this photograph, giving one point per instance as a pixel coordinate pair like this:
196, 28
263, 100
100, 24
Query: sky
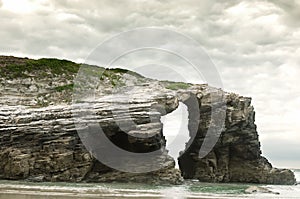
254, 45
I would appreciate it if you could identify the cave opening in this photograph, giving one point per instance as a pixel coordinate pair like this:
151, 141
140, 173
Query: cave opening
175, 130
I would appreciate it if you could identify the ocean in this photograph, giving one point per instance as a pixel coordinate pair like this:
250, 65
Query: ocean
190, 189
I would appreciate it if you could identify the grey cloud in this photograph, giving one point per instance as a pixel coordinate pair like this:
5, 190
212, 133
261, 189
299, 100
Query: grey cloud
101, 18
292, 11
39, 34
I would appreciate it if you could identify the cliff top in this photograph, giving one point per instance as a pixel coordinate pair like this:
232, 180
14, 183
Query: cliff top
51, 81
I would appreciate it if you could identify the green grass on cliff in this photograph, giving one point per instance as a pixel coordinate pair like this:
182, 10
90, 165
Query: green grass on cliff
64, 87
51, 67
176, 85
44, 67
123, 71
112, 75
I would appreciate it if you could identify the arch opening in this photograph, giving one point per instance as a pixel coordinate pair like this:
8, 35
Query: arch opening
175, 130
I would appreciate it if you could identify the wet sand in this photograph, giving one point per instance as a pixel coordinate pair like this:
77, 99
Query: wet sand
34, 194
25, 190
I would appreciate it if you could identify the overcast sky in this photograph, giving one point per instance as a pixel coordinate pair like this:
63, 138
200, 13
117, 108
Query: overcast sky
255, 46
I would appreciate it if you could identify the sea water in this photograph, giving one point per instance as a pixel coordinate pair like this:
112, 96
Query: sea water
190, 189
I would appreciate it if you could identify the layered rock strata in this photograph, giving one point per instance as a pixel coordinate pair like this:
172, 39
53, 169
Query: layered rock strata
40, 139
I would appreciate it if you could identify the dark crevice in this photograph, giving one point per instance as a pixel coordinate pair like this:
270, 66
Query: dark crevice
186, 160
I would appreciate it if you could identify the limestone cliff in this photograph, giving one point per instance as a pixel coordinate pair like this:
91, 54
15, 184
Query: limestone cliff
39, 140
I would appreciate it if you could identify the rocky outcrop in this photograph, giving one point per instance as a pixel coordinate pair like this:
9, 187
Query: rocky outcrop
40, 138
256, 189
236, 157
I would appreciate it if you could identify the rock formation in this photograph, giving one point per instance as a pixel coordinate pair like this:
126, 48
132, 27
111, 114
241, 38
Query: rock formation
40, 141
256, 189
236, 157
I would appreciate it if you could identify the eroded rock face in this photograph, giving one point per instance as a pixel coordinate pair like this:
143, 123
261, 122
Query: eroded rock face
39, 141
236, 157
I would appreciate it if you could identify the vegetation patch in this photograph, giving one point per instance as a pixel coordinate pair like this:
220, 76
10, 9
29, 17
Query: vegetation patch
44, 66
113, 77
123, 71
49, 67
176, 85
64, 87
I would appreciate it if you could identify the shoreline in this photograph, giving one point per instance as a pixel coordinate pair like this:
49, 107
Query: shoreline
30, 190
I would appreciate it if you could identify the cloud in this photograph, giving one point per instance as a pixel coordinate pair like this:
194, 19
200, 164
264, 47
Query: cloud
291, 9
